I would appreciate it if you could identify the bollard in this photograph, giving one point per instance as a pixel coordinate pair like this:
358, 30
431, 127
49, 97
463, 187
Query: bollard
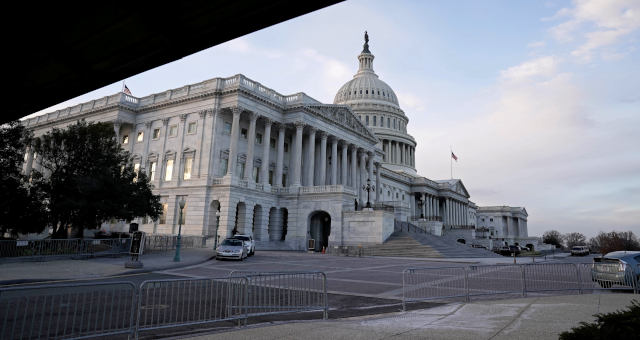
514, 258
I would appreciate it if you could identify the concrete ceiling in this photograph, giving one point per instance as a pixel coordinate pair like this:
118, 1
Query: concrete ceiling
56, 51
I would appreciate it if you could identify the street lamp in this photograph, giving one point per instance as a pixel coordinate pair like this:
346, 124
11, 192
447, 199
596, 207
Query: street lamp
420, 203
368, 188
215, 244
177, 257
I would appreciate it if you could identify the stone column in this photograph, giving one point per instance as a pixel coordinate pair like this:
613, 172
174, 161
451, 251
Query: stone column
363, 180
427, 205
378, 184
334, 161
311, 146
297, 155
345, 150
370, 174
280, 156
200, 128
397, 160
161, 167
180, 153
211, 171
447, 219
266, 148
233, 145
322, 176
248, 164
354, 161
145, 153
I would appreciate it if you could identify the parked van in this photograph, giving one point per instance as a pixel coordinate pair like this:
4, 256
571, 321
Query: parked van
579, 251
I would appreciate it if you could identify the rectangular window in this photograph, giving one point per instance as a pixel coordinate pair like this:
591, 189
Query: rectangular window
394, 123
156, 133
169, 171
381, 121
286, 147
188, 163
163, 217
125, 139
173, 130
240, 169
224, 163
227, 128
375, 120
388, 123
243, 133
272, 143
259, 138
270, 177
191, 128
140, 136
152, 173
136, 168
256, 174
284, 180
367, 120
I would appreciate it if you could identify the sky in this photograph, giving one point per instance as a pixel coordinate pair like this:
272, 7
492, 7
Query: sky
539, 100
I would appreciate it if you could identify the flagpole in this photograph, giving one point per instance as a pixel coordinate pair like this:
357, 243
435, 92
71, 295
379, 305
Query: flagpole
451, 160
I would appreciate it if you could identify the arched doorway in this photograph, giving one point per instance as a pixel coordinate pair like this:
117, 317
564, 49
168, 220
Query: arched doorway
320, 229
240, 220
256, 228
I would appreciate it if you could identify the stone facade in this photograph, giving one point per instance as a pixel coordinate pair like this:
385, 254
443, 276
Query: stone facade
285, 168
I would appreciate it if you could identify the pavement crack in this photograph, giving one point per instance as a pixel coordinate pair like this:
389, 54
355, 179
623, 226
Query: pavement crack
514, 319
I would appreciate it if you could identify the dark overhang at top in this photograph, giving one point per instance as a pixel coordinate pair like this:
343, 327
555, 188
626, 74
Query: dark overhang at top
55, 51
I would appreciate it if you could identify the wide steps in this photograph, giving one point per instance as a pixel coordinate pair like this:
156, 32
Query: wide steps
402, 246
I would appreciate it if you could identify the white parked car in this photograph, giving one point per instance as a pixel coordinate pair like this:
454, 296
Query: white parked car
579, 251
248, 241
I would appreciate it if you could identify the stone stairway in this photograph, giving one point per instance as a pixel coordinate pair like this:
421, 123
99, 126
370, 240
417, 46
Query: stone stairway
401, 244
449, 247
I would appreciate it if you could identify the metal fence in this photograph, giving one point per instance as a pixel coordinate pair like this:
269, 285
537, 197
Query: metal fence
173, 303
51, 248
285, 292
439, 283
67, 310
165, 243
71, 311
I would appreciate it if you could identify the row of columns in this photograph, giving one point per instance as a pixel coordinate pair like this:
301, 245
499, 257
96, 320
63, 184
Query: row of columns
455, 213
398, 152
430, 206
359, 171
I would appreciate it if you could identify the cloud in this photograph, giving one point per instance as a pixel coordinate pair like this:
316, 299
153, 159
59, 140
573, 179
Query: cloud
411, 101
243, 46
536, 44
544, 66
597, 23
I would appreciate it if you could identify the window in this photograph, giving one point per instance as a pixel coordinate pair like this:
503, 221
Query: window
243, 133
381, 121
140, 136
173, 130
367, 120
375, 120
227, 128
163, 217
286, 147
152, 174
483, 220
188, 163
259, 138
284, 180
396, 195
136, 169
224, 163
156, 133
272, 143
125, 139
270, 177
394, 123
169, 170
491, 220
191, 128
388, 122
240, 169
256, 174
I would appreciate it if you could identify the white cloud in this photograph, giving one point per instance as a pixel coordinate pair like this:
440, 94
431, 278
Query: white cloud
536, 44
598, 23
543, 66
410, 101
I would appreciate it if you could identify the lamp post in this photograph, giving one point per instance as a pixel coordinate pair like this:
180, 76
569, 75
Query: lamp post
215, 244
177, 257
420, 203
368, 188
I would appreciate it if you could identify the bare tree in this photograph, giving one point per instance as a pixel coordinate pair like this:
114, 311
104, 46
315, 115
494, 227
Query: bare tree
614, 241
574, 239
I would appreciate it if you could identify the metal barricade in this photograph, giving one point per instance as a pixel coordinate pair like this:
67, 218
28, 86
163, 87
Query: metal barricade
52, 248
495, 280
67, 310
285, 292
181, 302
551, 277
607, 276
421, 284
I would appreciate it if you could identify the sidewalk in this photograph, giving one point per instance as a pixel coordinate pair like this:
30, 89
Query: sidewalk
55, 270
525, 318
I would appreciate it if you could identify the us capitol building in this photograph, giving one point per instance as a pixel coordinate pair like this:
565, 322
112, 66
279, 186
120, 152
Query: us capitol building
285, 168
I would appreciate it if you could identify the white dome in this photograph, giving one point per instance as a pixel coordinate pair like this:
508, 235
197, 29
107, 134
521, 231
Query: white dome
366, 86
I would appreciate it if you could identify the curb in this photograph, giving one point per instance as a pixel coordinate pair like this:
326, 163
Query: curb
172, 266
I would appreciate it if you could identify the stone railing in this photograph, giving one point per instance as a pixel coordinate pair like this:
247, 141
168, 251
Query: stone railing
323, 189
280, 190
216, 181
426, 218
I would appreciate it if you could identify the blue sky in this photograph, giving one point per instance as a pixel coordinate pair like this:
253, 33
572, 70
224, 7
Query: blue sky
539, 100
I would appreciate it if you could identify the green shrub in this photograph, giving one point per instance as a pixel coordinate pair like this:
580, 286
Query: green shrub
623, 324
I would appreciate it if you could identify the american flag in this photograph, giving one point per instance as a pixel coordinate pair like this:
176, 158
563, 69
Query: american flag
126, 90
454, 156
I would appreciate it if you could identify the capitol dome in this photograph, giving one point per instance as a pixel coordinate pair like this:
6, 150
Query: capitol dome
365, 85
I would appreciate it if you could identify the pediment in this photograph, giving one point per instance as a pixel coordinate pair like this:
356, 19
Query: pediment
343, 116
